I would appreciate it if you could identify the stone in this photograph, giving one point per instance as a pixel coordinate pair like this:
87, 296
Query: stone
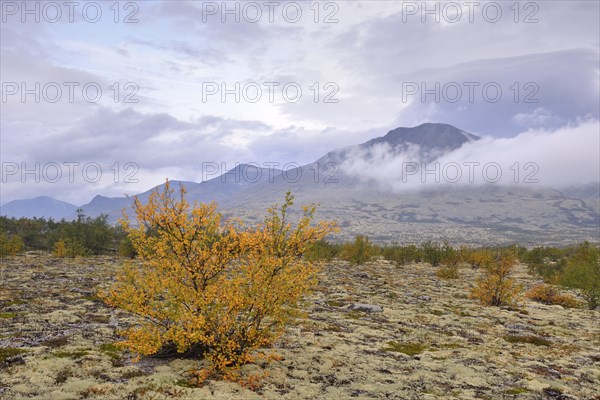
369, 308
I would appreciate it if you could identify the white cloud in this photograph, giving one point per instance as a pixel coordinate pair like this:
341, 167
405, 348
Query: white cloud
368, 53
563, 157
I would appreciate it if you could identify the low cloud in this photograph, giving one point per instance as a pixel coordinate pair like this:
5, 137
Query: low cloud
536, 158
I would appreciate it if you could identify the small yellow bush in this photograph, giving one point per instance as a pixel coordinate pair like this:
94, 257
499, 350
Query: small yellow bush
212, 288
10, 245
60, 249
495, 287
68, 248
479, 258
547, 294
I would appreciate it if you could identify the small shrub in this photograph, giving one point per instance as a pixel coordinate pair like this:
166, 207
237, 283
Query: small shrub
545, 262
582, 271
63, 375
71, 354
495, 287
358, 252
547, 294
402, 255
517, 390
322, 250
126, 248
432, 253
212, 289
110, 350
410, 349
449, 255
448, 271
10, 245
479, 258
68, 247
56, 342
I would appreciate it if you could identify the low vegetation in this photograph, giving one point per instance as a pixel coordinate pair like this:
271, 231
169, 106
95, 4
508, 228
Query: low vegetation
83, 236
410, 349
358, 252
221, 292
8, 352
529, 339
548, 294
212, 288
427, 340
496, 287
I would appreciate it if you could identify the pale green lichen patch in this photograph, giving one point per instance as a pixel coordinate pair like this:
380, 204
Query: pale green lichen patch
409, 349
429, 341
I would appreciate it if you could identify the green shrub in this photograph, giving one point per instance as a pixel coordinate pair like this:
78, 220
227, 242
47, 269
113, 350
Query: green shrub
8, 352
432, 253
410, 349
530, 339
402, 255
582, 271
322, 251
358, 252
126, 248
69, 247
10, 245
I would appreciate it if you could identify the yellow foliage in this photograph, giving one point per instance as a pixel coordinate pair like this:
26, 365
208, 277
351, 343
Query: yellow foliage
10, 245
211, 286
547, 294
60, 249
480, 258
68, 247
495, 287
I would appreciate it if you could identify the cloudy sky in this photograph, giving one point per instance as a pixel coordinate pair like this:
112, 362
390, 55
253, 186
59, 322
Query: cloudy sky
112, 98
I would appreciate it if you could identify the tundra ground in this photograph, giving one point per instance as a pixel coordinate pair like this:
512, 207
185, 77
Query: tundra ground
428, 341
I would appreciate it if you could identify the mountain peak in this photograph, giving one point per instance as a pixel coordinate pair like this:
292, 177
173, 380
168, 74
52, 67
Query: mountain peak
430, 137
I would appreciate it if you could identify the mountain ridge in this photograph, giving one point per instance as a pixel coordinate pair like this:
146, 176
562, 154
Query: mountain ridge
469, 213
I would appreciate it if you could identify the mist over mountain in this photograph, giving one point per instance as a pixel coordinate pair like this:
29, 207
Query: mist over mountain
429, 141
365, 188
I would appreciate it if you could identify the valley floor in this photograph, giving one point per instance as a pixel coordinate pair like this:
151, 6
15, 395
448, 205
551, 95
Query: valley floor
429, 341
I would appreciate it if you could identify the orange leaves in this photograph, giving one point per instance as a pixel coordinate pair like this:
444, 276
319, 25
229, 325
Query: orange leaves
547, 294
495, 287
202, 283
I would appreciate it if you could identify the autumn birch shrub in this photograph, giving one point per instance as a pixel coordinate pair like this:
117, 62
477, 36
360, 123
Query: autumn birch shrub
496, 287
209, 287
548, 294
10, 245
68, 247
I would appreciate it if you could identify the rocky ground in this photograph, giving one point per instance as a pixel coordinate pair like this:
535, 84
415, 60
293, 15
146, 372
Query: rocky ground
372, 332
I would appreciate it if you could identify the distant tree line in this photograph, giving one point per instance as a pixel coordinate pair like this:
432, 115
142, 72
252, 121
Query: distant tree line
576, 266
84, 236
